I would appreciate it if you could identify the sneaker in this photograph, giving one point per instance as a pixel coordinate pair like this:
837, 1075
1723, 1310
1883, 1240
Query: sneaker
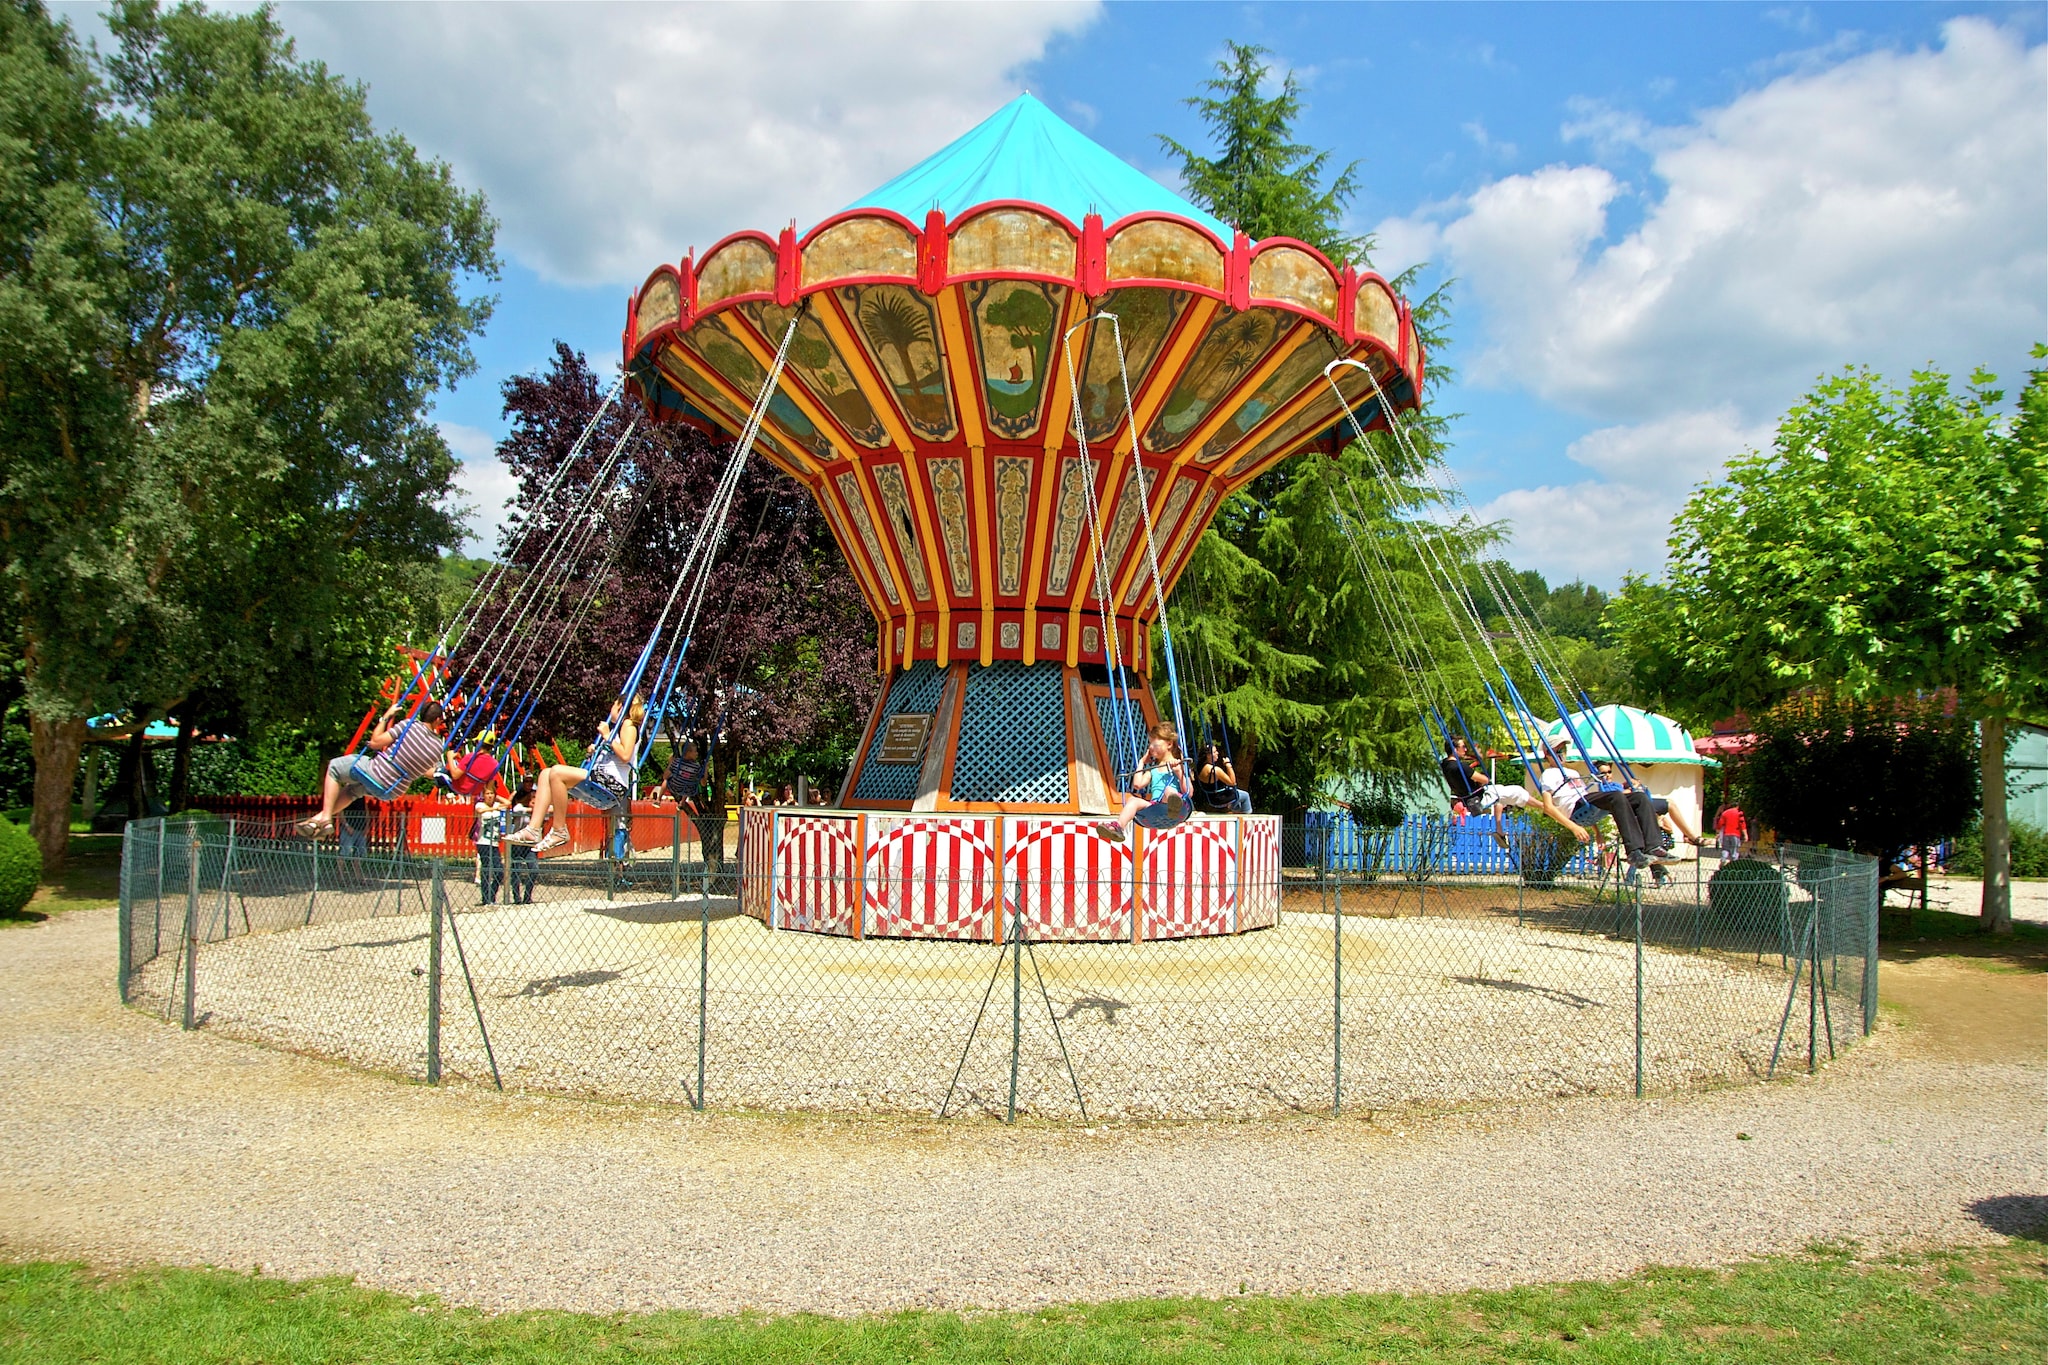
1665, 855
555, 839
1111, 830
1638, 861
1658, 873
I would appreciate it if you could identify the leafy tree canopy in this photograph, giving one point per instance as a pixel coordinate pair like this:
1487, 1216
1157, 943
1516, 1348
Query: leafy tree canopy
1890, 542
228, 301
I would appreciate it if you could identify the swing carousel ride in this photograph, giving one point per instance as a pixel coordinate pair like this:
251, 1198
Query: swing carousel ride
1018, 379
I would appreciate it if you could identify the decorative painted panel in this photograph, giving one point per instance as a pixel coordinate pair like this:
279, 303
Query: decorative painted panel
1145, 317
1162, 532
896, 511
743, 267
1014, 323
1070, 520
1235, 345
1303, 367
713, 340
931, 877
1324, 411
857, 508
949, 494
817, 873
1190, 879
1065, 882
900, 331
661, 303
818, 366
757, 861
1129, 503
679, 367
1011, 239
1158, 250
1013, 506
860, 246
1375, 316
1258, 894
1289, 273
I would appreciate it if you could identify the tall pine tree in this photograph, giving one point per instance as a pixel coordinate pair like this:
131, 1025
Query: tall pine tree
1275, 616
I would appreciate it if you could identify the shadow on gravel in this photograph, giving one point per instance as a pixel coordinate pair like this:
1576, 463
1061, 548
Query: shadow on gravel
2015, 1215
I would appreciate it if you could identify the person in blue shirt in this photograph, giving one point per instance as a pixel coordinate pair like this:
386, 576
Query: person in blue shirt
1160, 790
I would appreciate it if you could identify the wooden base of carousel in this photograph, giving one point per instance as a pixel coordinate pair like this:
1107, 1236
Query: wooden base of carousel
970, 876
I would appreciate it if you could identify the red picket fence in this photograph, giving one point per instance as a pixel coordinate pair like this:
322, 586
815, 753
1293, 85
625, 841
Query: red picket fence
440, 825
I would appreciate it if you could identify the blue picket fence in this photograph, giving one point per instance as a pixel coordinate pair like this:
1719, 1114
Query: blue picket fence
1334, 840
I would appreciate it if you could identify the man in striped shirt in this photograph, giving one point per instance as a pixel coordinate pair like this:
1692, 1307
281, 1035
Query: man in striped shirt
398, 752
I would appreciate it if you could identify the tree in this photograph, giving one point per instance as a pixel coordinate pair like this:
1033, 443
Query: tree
1878, 776
1890, 542
1284, 638
1261, 180
783, 616
220, 474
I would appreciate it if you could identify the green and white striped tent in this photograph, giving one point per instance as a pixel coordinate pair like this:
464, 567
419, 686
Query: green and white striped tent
1642, 736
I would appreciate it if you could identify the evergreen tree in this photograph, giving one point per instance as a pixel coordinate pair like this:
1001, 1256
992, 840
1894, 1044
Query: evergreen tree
1261, 180
1284, 640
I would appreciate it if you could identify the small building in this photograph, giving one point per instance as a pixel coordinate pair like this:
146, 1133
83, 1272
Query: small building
1657, 748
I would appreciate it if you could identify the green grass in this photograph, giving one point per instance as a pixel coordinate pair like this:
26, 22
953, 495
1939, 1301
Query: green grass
1980, 1304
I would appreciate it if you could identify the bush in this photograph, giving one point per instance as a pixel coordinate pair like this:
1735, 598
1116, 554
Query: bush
21, 868
2029, 852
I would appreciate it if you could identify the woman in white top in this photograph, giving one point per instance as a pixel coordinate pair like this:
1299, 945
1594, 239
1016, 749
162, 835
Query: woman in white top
607, 784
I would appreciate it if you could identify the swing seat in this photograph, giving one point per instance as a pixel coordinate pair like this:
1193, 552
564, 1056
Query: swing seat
1168, 812
359, 773
594, 794
478, 772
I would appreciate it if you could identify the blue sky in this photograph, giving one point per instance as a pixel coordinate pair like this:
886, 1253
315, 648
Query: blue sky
1664, 220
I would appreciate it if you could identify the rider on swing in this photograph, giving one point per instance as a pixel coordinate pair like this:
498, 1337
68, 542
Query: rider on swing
1164, 782
607, 784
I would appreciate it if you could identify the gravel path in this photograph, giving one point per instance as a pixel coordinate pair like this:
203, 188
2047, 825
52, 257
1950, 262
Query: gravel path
130, 1141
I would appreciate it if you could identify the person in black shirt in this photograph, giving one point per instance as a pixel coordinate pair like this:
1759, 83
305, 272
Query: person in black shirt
1216, 789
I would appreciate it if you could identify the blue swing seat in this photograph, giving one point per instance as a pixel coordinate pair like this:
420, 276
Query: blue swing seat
359, 773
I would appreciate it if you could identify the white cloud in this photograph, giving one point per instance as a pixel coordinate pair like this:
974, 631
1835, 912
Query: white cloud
1598, 529
610, 138
483, 485
1887, 210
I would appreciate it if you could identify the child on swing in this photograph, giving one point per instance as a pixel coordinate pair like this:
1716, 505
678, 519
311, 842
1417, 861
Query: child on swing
607, 784
1163, 782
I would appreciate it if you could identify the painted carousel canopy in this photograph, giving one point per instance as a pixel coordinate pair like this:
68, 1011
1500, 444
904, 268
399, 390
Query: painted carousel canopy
927, 402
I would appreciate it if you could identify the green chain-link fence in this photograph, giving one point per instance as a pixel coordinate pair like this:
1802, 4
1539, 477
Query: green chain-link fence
1391, 977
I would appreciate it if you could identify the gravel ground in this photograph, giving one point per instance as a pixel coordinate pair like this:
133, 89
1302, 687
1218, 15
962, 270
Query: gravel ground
1965, 896
129, 1141
585, 996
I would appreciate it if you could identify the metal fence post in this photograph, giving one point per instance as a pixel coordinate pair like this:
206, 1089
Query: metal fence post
1872, 905
675, 858
1016, 1005
1639, 989
314, 898
191, 923
1336, 995
435, 915
126, 920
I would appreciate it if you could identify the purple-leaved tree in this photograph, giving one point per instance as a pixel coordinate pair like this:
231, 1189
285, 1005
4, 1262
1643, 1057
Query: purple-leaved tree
784, 643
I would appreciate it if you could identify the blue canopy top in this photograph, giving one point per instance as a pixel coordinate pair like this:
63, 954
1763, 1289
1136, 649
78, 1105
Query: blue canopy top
1026, 151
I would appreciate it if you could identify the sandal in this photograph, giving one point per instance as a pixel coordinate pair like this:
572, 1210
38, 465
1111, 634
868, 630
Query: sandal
554, 840
523, 837
312, 827
1110, 830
